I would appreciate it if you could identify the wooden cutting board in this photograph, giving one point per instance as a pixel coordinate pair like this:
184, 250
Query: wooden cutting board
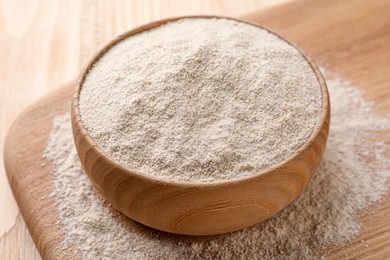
350, 38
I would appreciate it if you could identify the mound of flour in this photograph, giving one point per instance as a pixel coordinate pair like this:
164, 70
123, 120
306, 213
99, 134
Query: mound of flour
201, 100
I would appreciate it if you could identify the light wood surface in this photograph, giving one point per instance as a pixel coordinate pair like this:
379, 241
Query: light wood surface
363, 57
197, 208
44, 43
33, 182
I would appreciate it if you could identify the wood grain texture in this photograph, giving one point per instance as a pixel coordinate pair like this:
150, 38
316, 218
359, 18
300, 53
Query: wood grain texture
44, 43
198, 208
35, 181
347, 37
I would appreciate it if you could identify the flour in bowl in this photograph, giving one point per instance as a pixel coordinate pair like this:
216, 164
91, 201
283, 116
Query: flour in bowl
201, 99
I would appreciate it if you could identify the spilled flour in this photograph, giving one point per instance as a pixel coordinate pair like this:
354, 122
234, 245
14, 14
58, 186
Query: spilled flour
325, 214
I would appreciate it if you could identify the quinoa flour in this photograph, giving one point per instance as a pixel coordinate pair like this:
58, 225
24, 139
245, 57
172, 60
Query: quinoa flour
324, 215
201, 100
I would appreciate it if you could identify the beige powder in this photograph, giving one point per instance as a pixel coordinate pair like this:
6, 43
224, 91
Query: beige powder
201, 100
324, 215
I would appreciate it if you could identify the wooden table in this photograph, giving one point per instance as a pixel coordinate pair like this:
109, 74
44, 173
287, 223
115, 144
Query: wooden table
347, 37
45, 43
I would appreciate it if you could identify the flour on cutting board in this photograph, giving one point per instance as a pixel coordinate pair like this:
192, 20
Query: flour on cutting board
324, 215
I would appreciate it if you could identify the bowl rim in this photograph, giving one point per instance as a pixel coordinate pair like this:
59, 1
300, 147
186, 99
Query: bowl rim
323, 121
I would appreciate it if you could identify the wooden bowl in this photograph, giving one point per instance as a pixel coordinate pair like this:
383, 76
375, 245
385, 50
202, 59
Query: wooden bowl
194, 208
